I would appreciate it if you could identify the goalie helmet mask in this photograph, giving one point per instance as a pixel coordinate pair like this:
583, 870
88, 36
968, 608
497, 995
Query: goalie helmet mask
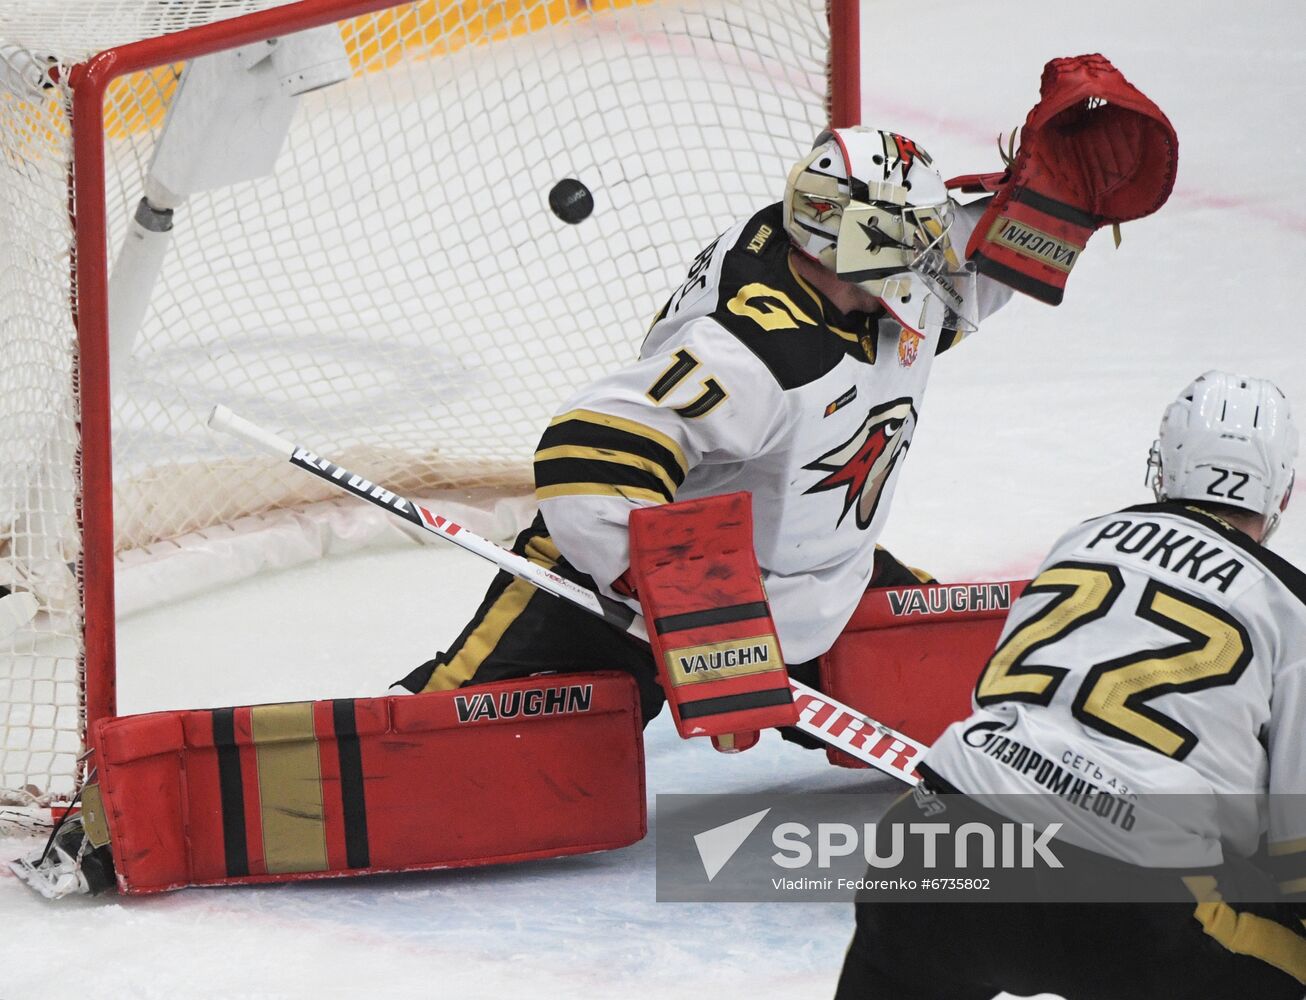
870, 206
1227, 439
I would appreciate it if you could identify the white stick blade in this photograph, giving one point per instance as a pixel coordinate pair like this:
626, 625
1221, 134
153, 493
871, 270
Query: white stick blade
16, 610
222, 419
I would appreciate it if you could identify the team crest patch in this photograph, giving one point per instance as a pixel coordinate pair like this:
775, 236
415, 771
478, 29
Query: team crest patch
909, 343
862, 465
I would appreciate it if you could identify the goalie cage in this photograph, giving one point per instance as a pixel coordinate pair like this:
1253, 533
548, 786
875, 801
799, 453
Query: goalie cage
384, 251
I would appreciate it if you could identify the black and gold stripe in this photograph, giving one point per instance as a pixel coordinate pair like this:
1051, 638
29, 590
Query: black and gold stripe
585, 453
504, 604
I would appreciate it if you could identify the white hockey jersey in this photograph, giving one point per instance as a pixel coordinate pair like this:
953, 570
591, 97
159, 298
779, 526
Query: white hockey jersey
751, 380
1159, 651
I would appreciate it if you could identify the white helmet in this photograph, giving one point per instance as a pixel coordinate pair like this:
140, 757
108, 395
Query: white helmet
1227, 439
870, 206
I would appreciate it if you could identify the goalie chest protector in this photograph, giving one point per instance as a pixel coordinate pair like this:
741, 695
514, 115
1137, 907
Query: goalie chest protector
532, 768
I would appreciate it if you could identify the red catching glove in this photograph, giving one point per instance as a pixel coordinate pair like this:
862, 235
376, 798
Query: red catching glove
1094, 152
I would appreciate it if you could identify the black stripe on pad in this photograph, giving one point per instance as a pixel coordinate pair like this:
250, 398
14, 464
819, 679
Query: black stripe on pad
1018, 280
352, 798
231, 791
1056, 209
712, 616
736, 702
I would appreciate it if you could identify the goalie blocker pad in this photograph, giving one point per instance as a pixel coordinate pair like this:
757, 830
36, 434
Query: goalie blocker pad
910, 656
709, 624
532, 768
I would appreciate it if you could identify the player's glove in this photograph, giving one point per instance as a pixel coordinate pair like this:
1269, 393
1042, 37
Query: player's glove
1093, 152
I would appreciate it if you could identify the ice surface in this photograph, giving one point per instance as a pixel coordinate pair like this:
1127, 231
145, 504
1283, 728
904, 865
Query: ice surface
1041, 420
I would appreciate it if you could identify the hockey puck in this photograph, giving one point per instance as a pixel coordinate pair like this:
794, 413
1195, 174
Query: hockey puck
571, 200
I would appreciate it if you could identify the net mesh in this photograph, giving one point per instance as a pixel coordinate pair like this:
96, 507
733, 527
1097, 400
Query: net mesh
395, 293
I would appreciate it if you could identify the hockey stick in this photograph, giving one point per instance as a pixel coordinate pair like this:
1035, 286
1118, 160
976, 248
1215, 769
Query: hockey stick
820, 716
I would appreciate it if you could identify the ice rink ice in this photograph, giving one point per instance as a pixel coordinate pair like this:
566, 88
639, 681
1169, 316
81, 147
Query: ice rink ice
1042, 419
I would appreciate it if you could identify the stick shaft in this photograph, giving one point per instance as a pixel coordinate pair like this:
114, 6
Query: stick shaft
828, 720
419, 516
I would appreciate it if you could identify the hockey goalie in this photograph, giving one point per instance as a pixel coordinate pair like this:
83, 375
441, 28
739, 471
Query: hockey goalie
729, 486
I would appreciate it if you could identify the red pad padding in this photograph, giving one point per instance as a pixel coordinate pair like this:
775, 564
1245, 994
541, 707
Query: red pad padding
698, 582
910, 656
533, 768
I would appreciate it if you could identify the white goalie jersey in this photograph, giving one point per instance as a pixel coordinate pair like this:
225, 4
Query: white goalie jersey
1158, 652
751, 380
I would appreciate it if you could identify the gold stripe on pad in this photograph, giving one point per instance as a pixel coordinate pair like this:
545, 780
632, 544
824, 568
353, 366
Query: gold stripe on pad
714, 661
289, 788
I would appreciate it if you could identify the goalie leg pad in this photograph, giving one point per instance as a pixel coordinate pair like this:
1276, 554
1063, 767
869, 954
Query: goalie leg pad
709, 623
531, 768
910, 656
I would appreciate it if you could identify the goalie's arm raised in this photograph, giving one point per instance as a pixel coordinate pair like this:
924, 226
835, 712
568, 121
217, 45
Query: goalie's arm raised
1095, 151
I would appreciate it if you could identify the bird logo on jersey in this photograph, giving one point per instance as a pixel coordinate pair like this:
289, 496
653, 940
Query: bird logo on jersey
861, 466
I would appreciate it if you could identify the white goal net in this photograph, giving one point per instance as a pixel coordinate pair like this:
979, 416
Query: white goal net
347, 239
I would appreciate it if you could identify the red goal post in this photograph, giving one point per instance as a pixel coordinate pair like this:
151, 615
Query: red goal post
764, 79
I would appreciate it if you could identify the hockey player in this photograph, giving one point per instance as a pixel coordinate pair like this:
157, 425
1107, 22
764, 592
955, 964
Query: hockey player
1159, 651
791, 364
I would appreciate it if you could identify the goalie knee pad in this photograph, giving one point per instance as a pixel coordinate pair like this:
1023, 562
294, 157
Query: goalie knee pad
532, 768
910, 656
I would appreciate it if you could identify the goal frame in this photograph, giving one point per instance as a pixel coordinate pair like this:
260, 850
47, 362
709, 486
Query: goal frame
89, 82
